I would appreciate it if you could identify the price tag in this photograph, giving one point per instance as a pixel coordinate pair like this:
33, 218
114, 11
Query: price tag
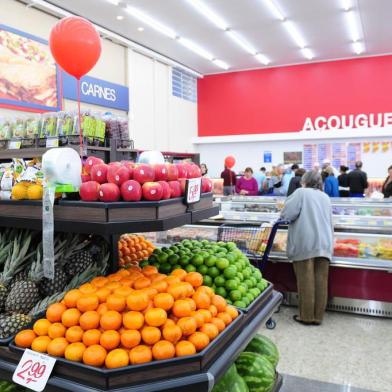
52, 142
192, 190
33, 370
14, 144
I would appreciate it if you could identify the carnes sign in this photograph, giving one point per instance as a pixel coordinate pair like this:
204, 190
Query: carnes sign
371, 120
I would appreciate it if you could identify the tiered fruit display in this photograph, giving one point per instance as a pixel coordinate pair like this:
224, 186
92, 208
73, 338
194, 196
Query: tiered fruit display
131, 317
254, 370
223, 266
24, 291
133, 248
128, 181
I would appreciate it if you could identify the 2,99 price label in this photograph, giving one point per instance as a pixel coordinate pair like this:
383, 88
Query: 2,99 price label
33, 370
193, 190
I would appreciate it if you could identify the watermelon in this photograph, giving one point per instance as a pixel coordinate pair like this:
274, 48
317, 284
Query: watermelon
262, 345
257, 371
239, 385
226, 380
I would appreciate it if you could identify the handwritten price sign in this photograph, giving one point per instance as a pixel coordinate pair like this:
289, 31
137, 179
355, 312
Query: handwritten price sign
193, 190
33, 370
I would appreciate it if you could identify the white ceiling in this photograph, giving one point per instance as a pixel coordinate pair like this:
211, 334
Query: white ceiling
322, 23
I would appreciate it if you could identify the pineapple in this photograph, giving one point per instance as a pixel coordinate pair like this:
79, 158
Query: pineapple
49, 287
78, 263
13, 323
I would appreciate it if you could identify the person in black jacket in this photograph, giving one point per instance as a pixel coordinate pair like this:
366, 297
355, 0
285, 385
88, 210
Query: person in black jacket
357, 181
387, 187
295, 182
344, 189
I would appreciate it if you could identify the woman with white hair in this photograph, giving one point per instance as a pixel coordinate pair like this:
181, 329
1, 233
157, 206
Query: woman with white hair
310, 246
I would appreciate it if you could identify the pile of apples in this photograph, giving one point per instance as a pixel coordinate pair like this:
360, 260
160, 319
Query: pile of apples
130, 181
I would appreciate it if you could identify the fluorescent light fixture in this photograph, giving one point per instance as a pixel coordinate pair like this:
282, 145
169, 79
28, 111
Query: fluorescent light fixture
153, 23
307, 53
195, 48
119, 17
295, 35
347, 4
221, 64
262, 59
275, 10
353, 24
241, 42
206, 11
358, 47
114, 2
140, 29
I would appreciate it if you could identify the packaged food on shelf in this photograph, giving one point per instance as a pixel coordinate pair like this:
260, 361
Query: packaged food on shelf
48, 126
384, 248
346, 248
19, 129
5, 129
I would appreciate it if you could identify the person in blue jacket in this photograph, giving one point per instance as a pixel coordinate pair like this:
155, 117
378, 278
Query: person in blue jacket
331, 183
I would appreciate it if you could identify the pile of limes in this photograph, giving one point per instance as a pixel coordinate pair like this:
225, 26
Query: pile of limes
223, 266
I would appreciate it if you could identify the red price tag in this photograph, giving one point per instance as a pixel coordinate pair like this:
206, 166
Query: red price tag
33, 370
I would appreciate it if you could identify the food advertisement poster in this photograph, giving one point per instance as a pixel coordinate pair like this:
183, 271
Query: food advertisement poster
292, 157
28, 73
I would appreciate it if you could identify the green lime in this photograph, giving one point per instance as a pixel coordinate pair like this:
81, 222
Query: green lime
156, 251
221, 291
231, 284
207, 280
173, 259
213, 272
242, 289
162, 257
248, 283
235, 295
197, 260
222, 263
255, 292
231, 245
219, 281
246, 272
184, 261
229, 302
202, 269
240, 276
240, 304
210, 261
169, 252
257, 273
250, 297
165, 268
221, 243
177, 266
190, 268
155, 264
230, 272
143, 263
153, 258
231, 257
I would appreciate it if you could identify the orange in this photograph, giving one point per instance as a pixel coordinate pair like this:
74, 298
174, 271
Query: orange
130, 338
200, 340
99, 281
111, 320
219, 323
163, 350
56, 330
149, 270
172, 280
116, 359
110, 340
87, 288
169, 321
232, 311
123, 273
74, 334
213, 310
25, 338
182, 308
137, 301
192, 303
94, 355
92, 336
150, 335
194, 278
141, 283
140, 354
155, 317
40, 344
188, 289
102, 308
203, 301
71, 297
160, 286
74, 352
188, 325
164, 301
225, 317
127, 282
116, 302
172, 333
157, 277
114, 277
89, 320
70, 317
112, 285
207, 290
87, 302
179, 273
55, 311
206, 314
57, 347
41, 327
210, 329
102, 293
149, 306
133, 320
184, 348
177, 290
198, 317
219, 302
123, 291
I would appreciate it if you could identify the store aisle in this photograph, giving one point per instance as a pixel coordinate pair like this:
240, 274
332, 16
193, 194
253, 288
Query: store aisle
348, 350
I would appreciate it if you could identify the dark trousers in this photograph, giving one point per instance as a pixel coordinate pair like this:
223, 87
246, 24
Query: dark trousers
312, 284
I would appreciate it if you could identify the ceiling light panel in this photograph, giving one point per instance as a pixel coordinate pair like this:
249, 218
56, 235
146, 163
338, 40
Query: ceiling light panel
195, 48
114, 2
207, 12
294, 33
241, 42
307, 53
274, 9
347, 4
221, 64
358, 47
262, 58
353, 25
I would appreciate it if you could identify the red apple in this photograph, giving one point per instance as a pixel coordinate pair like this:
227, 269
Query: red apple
143, 173
175, 188
152, 191
117, 164
99, 173
89, 191
183, 185
130, 166
182, 170
90, 162
109, 192
166, 190
118, 174
160, 172
131, 190
206, 185
85, 177
194, 171
172, 172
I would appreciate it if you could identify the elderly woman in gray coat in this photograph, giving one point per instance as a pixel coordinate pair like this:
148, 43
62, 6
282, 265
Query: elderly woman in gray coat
310, 246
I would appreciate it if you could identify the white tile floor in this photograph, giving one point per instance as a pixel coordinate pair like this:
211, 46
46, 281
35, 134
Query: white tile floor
349, 350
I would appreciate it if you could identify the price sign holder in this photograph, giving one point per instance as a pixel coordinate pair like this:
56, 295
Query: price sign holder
33, 370
192, 190
14, 144
52, 142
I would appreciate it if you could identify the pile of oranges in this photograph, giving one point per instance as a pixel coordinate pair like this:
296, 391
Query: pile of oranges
133, 248
133, 316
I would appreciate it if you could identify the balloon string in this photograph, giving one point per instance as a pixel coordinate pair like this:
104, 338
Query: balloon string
80, 121
60, 87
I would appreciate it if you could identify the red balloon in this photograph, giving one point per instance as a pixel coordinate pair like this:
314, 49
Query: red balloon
229, 161
75, 45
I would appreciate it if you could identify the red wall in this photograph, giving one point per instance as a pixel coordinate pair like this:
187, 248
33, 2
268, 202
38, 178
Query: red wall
279, 99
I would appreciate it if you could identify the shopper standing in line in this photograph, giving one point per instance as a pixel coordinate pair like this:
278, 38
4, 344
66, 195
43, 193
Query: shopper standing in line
387, 186
344, 189
204, 170
247, 185
310, 246
274, 180
331, 184
229, 181
261, 177
357, 181
295, 182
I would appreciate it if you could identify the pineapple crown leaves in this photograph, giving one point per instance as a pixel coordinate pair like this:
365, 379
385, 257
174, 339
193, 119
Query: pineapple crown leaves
45, 302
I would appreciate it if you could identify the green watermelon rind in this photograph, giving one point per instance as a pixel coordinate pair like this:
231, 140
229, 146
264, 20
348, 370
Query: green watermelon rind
239, 385
226, 380
264, 346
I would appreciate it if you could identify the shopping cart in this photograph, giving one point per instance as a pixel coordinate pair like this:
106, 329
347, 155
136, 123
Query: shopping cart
255, 241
